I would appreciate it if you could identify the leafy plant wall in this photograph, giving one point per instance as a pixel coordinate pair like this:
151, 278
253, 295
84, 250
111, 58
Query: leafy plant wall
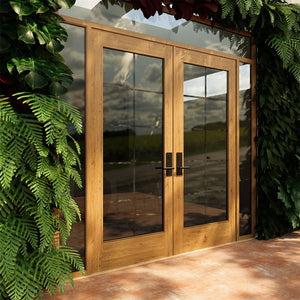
38, 157
275, 26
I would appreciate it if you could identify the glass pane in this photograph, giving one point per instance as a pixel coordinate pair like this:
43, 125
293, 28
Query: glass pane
148, 73
120, 14
74, 55
245, 149
205, 145
123, 75
133, 146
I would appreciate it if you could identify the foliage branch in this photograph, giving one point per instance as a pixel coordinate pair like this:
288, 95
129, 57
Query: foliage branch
38, 157
182, 8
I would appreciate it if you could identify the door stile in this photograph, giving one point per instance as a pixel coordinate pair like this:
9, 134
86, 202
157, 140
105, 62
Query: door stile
94, 151
168, 148
178, 147
233, 157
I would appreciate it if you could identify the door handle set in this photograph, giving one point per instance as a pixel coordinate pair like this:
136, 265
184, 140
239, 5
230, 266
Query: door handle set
169, 164
179, 166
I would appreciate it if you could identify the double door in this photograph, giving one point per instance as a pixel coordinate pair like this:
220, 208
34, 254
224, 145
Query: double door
161, 150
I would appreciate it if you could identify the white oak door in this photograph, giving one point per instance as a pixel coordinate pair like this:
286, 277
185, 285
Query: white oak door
161, 150
204, 147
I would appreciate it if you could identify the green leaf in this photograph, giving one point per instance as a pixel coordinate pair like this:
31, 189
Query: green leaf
25, 34
57, 89
42, 10
66, 3
54, 46
21, 8
36, 80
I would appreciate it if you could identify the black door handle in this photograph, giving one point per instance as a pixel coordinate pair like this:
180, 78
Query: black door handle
186, 167
165, 168
179, 166
169, 162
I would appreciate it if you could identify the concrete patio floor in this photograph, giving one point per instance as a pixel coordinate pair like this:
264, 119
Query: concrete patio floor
246, 270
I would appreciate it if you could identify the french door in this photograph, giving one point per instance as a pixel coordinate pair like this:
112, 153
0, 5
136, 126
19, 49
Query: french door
160, 150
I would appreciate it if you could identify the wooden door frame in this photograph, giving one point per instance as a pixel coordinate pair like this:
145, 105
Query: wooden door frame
104, 255
202, 236
94, 140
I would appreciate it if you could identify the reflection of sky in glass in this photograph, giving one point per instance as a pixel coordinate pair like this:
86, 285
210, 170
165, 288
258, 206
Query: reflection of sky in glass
163, 21
89, 4
133, 92
205, 94
216, 85
74, 55
164, 26
244, 77
244, 86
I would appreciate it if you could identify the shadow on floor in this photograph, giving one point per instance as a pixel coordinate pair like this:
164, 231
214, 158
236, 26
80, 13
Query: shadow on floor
251, 270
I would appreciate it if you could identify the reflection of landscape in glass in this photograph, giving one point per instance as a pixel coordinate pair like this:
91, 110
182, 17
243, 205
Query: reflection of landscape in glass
133, 144
205, 145
74, 55
120, 14
245, 148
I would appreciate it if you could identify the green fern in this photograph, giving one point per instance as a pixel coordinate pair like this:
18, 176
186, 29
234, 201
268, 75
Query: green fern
38, 169
37, 158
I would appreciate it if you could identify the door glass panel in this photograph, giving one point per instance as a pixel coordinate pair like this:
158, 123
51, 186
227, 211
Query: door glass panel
74, 55
205, 145
245, 149
121, 14
133, 144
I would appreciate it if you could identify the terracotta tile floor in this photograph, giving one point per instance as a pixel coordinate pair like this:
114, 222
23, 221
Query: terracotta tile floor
246, 270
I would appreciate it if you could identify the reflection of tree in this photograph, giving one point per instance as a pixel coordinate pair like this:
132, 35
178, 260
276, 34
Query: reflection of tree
119, 146
245, 163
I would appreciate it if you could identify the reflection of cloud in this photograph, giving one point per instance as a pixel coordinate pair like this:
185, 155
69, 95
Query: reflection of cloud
195, 87
141, 112
165, 21
216, 84
221, 47
125, 70
117, 67
191, 33
74, 55
89, 4
152, 71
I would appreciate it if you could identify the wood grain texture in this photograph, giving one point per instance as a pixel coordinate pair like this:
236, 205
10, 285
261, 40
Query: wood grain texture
175, 238
94, 152
196, 237
126, 251
105, 28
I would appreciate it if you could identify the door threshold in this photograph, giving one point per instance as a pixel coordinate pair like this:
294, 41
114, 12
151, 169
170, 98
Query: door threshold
78, 276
